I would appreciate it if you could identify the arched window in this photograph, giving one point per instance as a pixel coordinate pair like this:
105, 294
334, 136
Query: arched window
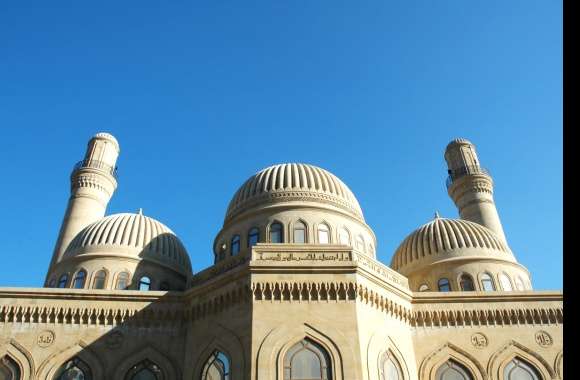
145, 283
487, 283
344, 236
52, 283
79, 280
235, 246
100, 279
253, 236
371, 248
9, 369
519, 283
299, 233
451, 370
74, 369
62, 281
323, 234
424, 288
307, 360
466, 283
390, 368
217, 367
145, 370
444, 285
505, 283
360, 243
517, 369
276, 235
122, 281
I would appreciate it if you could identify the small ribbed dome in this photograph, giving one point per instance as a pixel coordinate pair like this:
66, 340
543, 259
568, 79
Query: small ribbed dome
444, 238
293, 182
133, 235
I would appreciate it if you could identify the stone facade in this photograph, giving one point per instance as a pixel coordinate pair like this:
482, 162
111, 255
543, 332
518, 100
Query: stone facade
273, 308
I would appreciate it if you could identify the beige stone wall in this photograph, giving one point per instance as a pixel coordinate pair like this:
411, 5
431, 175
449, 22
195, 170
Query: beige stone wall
254, 307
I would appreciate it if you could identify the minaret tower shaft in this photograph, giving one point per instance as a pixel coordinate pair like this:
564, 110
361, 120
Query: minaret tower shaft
93, 182
471, 186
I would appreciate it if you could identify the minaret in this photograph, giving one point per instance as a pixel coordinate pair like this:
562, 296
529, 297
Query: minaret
93, 181
471, 187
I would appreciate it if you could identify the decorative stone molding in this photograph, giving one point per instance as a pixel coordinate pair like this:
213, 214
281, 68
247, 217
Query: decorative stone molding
488, 315
479, 340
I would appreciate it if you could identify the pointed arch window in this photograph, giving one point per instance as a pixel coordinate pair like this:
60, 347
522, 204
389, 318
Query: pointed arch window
74, 369
344, 236
122, 281
390, 368
52, 283
299, 232
145, 370
79, 280
253, 237
145, 283
466, 283
62, 281
9, 369
323, 234
518, 369
451, 370
487, 283
444, 285
235, 246
217, 367
505, 282
276, 235
307, 360
100, 279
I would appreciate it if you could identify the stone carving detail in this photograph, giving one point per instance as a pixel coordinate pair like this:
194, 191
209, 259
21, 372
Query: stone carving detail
45, 338
543, 339
303, 256
479, 340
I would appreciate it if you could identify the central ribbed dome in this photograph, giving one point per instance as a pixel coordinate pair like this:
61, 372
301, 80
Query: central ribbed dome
131, 235
293, 182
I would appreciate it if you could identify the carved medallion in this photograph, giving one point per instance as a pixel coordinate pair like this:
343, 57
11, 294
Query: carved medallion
45, 338
479, 340
543, 338
114, 339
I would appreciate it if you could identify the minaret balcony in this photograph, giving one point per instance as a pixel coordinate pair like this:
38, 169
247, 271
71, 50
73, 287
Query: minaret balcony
95, 164
463, 171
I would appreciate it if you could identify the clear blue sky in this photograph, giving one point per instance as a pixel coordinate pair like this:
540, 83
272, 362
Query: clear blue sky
201, 95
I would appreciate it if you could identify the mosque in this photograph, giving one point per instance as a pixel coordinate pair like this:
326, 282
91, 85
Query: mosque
295, 292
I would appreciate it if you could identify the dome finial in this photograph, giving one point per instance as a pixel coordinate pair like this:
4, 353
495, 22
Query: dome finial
140, 211
436, 216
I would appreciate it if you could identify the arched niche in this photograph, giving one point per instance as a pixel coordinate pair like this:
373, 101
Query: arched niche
432, 362
277, 342
218, 338
513, 349
168, 369
381, 343
53, 363
19, 355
